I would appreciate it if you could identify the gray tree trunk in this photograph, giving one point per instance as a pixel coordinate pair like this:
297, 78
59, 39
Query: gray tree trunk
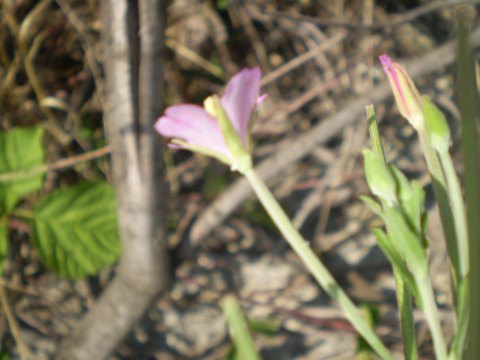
133, 43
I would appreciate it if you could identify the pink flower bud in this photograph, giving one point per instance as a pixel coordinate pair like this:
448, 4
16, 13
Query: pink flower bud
407, 97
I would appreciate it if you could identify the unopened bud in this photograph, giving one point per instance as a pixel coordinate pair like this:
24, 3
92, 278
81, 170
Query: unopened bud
379, 177
407, 97
436, 125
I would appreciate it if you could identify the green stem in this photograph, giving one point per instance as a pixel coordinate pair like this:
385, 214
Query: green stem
457, 349
374, 133
311, 261
430, 310
469, 102
440, 190
404, 300
458, 210
239, 329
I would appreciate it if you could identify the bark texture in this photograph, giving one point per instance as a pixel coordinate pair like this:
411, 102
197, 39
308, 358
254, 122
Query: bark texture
133, 42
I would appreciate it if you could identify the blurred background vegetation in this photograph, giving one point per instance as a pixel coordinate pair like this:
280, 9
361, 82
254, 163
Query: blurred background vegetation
317, 57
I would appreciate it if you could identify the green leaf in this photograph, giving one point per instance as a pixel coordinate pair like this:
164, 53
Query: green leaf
391, 252
404, 189
266, 327
405, 240
222, 5
469, 105
20, 148
76, 231
372, 316
3, 243
374, 133
412, 200
372, 204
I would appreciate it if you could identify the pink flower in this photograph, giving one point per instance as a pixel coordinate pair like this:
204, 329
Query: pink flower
407, 97
200, 129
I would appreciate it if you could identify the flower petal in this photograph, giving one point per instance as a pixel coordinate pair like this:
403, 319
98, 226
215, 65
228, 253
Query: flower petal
261, 99
194, 125
240, 99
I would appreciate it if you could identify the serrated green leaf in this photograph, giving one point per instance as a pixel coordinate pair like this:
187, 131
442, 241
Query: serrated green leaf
3, 243
76, 231
20, 148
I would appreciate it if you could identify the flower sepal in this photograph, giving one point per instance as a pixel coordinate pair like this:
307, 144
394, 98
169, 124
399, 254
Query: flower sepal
241, 159
201, 150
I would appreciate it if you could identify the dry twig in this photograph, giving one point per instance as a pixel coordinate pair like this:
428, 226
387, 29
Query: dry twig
423, 10
22, 347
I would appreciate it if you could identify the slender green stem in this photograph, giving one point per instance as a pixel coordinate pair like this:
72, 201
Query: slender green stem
239, 329
404, 300
374, 133
458, 210
457, 349
440, 189
430, 310
314, 265
469, 104
404, 296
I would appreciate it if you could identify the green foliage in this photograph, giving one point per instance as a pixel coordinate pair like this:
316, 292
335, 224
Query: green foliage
407, 208
75, 229
222, 5
372, 315
379, 177
396, 259
401, 207
437, 126
214, 184
266, 327
4, 356
3, 243
20, 148
254, 212
469, 105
